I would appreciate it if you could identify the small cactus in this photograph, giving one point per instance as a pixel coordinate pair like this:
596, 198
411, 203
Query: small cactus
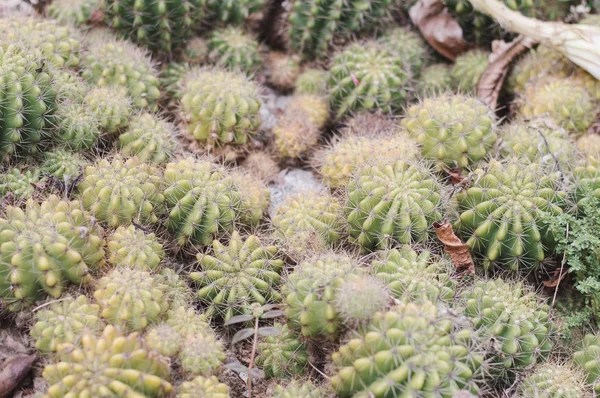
261, 165
553, 381
586, 359
283, 355
64, 165
110, 106
408, 45
20, 183
312, 82
73, 12
163, 339
589, 145
299, 389
186, 322
359, 298
233, 12
202, 354
467, 70
70, 87
131, 247
233, 49
78, 126
282, 70
434, 80
254, 197
539, 65
178, 292
208, 387
148, 137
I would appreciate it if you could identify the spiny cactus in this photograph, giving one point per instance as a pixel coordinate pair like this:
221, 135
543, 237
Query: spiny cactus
311, 291
78, 126
44, 247
112, 62
367, 77
186, 322
233, 49
196, 51
502, 214
163, 339
282, 355
208, 387
73, 12
131, 299
201, 199
172, 77
411, 350
452, 130
541, 64
312, 82
254, 197
220, 107
587, 181
299, 389
553, 381
109, 365
434, 79
148, 137
161, 26
513, 317
119, 192
467, 70
65, 322
69, 86
359, 298
27, 102
282, 70
63, 164
131, 247
110, 106
202, 353
393, 202
232, 11
261, 165
408, 45
178, 292
237, 275
589, 145
414, 277
586, 359
20, 183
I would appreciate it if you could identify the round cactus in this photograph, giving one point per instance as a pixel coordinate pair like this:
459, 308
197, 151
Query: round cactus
359, 298
514, 318
119, 63
413, 278
282, 70
539, 65
553, 381
312, 82
467, 70
69, 86
172, 78
78, 126
587, 181
452, 130
261, 165
131, 299
207, 387
131, 247
237, 275
20, 183
64, 165
178, 292
408, 45
367, 77
44, 247
254, 197
220, 107
109, 365
186, 322
149, 138
311, 291
502, 214
233, 11
282, 355
110, 106
73, 12
434, 79
163, 339
120, 192
586, 359
393, 202
589, 145
65, 322
202, 353
233, 49
299, 389
202, 201
412, 350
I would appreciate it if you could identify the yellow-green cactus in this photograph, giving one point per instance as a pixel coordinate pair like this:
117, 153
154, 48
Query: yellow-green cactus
20, 183
110, 106
207, 387
131, 247
282, 355
148, 137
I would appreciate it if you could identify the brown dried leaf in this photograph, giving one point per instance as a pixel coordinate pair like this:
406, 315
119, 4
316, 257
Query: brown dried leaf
503, 53
557, 277
97, 18
13, 371
458, 251
439, 28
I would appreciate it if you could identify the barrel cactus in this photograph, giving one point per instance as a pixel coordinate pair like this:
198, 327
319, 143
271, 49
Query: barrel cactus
186, 322
78, 126
282, 355
586, 359
468, 69
408, 45
73, 12
148, 137
233, 49
254, 197
282, 69
553, 381
163, 339
110, 106
21, 184
63, 164
299, 389
359, 298
132, 247
232, 11
434, 79
202, 353
312, 81
208, 387
67, 243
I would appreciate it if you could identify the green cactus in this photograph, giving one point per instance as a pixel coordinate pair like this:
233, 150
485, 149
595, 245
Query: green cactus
44, 247
202, 201
179, 294
468, 69
452, 130
503, 214
172, 78
78, 126
589, 145
20, 183
553, 381
70, 88
148, 137
311, 291
220, 107
120, 192
359, 298
514, 318
312, 82
282, 69
393, 202
163, 339
73, 12
186, 322
434, 80
207, 387
113, 62
65, 322
539, 64
110, 106
237, 275
283, 355
415, 277
367, 77
233, 49
131, 299
202, 353
586, 358
106, 366
299, 389
232, 11
254, 197
408, 45
63, 164
131, 247
412, 350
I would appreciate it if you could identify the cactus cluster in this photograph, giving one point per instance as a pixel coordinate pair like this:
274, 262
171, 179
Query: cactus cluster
20, 183
63, 164
233, 49
282, 355
208, 387
132, 247
553, 381
149, 138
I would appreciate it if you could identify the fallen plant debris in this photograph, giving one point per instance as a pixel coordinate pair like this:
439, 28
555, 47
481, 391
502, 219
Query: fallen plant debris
12, 371
457, 250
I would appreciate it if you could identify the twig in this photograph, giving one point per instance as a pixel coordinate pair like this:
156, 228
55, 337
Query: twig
319, 372
251, 363
562, 265
48, 303
563, 176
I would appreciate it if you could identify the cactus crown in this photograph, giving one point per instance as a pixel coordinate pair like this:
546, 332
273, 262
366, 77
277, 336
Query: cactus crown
63, 164
110, 106
233, 49
20, 183
468, 68
131, 247
554, 381
148, 137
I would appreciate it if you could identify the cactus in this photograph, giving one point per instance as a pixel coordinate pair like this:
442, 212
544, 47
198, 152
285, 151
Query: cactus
237, 275
282, 70
452, 130
186, 322
311, 291
408, 45
411, 350
367, 77
586, 359
233, 11
589, 145
148, 137
20, 183
261, 165
70, 88
73, 12
299, 389
254, 197
196, 51
78, 126
131, 299
359, 298
467, 70
282, 355
233, 49
110, 106
172, 78
113, 62
131, 247
312, 82
434, 80
208, 387
163, 339
513, 317
220, 107
393, 202
553, 381
202, 353
502, 214
202, 201
65, 322
178, 292
587, 181
27, 102
64, 165
415, 277
160, 26
109, 365
66, 243
120, 192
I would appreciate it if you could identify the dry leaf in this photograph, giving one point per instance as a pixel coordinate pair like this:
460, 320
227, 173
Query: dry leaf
12, 371
439, 28
557, 277
458, 251
97, 18
503, 53
456, 177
